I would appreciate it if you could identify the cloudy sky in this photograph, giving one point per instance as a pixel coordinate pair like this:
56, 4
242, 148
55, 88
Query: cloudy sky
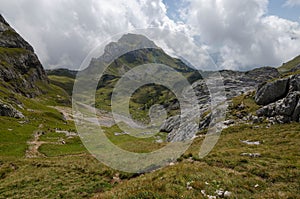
237, 34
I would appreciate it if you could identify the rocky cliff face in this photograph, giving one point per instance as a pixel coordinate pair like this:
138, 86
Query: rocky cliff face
20, 69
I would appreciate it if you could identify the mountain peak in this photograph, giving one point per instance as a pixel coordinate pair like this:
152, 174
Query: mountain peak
127, 43
137, 40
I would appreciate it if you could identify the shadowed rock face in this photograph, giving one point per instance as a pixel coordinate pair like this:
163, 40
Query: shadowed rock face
20, 68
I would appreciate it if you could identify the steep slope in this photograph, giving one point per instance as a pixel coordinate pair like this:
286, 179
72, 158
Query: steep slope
31, 128
22, 75
235, 83
20, 70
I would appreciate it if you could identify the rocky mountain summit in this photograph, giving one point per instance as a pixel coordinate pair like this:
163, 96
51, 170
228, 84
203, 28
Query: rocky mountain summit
20, 69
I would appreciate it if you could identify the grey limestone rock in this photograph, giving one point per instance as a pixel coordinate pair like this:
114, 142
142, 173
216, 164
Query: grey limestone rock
272, 91
9, 111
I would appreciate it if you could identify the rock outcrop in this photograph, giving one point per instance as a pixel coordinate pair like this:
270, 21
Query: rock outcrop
20, 69
285, 108
9, 111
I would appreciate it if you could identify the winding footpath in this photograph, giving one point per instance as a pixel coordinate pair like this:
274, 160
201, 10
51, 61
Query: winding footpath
34, 145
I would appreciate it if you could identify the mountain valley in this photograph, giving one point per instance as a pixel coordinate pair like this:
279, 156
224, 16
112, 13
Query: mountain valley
42, 155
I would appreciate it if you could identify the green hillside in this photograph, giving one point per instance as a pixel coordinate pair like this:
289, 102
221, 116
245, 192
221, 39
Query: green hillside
290, 65
149, 95
63, 82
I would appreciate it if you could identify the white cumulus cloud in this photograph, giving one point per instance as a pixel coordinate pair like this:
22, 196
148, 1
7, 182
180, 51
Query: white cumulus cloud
64, 31
239, 33
242, 32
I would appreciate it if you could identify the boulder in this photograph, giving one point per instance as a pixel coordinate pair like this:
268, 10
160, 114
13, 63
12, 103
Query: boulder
270, 92
267, 111
282, 119
9, 111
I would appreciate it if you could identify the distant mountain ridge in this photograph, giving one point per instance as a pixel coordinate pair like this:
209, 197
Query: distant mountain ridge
62, 72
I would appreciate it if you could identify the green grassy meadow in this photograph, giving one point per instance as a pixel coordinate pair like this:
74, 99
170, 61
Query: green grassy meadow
69, 171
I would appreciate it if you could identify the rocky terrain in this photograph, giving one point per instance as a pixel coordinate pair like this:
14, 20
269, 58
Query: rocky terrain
235, 84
